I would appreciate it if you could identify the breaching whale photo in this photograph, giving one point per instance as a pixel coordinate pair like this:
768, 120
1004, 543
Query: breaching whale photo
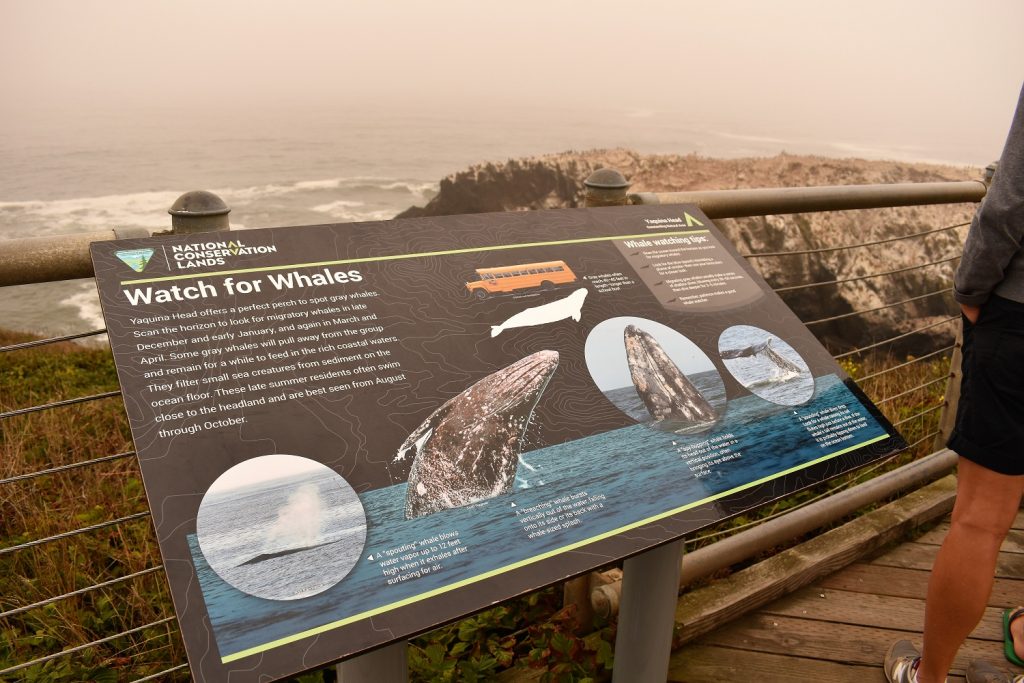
655, 375
766, 365
468, 449
281, 527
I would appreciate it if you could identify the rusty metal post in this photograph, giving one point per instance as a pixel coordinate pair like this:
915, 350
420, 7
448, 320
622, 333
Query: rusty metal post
605, 187
199, 211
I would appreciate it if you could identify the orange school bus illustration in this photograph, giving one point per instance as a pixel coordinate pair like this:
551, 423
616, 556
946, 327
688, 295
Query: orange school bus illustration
524, 276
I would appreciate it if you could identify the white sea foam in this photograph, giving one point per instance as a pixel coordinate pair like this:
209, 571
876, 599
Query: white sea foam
86, 303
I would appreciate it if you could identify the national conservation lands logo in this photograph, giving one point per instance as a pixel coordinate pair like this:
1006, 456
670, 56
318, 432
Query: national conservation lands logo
136, 259
185, 256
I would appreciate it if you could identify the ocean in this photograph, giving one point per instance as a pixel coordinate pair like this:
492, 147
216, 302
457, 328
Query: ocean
625, 475
71, 172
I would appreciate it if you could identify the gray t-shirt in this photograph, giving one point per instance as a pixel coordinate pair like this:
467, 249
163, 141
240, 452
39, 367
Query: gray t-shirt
993, 260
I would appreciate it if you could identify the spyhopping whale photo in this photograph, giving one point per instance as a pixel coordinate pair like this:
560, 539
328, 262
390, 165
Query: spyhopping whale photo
655, 375
281, 527
766, 365
468, 449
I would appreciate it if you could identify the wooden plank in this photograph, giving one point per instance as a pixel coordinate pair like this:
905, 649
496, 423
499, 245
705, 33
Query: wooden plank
1014, 542
720, 602
901, 614
842, 643
709, 664
909, 583
920, 556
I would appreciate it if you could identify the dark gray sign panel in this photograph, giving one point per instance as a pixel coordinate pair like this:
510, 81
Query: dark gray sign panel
350, 434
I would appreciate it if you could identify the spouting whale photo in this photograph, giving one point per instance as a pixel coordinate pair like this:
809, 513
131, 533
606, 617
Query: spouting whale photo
766, 365
655, 375
468, 449
281, 527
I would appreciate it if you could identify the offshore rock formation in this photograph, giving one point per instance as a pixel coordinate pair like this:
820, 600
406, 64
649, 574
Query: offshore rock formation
556, 181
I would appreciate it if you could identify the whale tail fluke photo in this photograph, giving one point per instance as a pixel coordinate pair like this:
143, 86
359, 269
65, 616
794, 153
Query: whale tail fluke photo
765, 350
468, 449
662, 386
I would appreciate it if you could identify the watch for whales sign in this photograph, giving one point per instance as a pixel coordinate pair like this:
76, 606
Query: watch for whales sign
350, 434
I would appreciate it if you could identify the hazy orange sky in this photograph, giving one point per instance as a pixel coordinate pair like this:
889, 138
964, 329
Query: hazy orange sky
918, 70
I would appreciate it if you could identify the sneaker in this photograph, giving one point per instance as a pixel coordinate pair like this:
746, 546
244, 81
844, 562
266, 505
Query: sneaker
901, 662
983, 672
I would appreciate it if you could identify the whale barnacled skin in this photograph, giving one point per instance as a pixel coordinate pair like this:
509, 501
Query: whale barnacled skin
468, 449
661, 385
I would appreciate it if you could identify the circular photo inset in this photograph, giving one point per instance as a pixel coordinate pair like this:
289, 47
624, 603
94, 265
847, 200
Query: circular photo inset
767, 366
281, 527
655, 375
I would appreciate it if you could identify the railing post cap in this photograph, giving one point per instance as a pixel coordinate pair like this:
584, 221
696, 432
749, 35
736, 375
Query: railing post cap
198, 203
605, 187
606, 179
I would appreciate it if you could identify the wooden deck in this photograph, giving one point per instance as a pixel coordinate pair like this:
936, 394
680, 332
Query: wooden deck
838, 628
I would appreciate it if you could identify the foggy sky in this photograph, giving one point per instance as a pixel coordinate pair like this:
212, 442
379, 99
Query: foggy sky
915, 70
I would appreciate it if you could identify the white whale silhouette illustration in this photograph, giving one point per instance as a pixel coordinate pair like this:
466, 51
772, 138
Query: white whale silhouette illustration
569, 307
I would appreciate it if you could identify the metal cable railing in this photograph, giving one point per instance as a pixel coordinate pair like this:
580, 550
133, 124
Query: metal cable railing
20, 616
859, 245
793, 288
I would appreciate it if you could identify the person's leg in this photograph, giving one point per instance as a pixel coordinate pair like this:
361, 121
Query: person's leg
961, 580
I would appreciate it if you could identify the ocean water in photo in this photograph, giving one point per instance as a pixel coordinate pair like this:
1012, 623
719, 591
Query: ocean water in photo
775, 372
286, 539
635, 473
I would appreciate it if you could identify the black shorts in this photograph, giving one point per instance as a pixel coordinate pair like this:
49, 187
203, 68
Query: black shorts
989, 426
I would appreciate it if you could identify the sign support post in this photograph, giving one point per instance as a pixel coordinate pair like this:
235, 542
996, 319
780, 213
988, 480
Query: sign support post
386, 665
650, 590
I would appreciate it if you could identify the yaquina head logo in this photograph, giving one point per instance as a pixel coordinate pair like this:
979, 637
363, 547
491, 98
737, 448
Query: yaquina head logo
136, 259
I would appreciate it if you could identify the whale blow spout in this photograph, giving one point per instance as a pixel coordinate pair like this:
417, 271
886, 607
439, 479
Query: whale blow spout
468, 449
661, 385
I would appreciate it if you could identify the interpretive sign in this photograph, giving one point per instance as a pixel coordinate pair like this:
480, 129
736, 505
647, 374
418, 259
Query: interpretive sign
350, 434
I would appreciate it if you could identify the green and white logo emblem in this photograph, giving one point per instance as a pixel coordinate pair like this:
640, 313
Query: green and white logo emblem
136, 259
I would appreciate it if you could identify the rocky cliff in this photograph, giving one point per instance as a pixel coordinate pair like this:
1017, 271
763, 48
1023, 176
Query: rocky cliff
556, 181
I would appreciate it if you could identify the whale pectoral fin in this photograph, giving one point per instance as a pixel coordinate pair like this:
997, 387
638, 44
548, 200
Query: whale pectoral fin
577, 315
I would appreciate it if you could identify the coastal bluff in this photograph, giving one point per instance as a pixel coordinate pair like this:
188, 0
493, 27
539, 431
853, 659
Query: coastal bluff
556, 181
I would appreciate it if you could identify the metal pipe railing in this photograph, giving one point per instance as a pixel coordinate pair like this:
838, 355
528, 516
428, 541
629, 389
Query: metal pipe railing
60, 257
746, 544
770, 201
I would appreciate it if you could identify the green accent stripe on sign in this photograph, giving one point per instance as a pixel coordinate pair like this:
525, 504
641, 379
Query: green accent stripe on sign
522, 563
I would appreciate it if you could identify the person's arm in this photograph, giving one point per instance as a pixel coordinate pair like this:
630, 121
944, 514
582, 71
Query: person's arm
997, 230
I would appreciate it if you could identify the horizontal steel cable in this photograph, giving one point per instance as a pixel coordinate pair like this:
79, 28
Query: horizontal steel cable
51, 340
86, 646
80, 591
886, 371
59, 404
910, 391
878, 308
822, 250
930, 435
897, 337
76, 532
65, 468
920, 414
865, 277
153, 677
